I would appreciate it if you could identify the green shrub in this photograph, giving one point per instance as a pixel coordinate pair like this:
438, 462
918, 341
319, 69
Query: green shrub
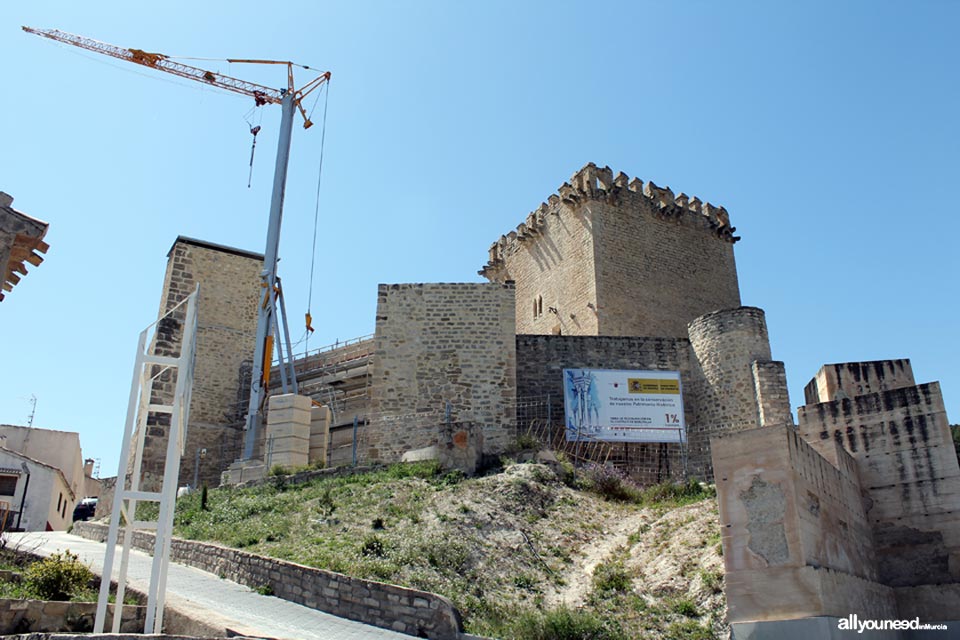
372, 546
58, 577
688, 630
278, 470
712, 580
563, 624
611, 577
684, 607
265, 590
676, 493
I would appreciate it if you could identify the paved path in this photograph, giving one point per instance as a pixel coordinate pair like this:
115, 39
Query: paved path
204, 596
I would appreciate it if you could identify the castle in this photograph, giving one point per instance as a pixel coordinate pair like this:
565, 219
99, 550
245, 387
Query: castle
609, 273
852, 510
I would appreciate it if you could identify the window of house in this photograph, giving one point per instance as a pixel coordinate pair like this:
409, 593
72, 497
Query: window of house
59, 500
537, 307
8, 485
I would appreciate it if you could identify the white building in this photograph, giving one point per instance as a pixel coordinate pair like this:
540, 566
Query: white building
34, 496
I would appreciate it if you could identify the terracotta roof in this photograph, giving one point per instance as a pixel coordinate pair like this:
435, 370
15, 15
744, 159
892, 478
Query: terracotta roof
21, 242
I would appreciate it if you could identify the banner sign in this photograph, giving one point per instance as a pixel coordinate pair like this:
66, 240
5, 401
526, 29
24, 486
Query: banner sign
623, 406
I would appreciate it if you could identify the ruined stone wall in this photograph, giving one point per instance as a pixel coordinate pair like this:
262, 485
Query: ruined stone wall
229, 282
905, 459
440, 343
796, 538
851, 379
612, 256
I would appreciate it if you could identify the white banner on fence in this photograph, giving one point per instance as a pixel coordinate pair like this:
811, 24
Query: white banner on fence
623, 406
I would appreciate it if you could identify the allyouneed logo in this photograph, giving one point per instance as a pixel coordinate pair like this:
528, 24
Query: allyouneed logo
854, 623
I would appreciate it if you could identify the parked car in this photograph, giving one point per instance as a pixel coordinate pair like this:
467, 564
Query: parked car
85, 509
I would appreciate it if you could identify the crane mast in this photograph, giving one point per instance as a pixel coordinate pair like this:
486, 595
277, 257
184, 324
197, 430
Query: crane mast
289, 99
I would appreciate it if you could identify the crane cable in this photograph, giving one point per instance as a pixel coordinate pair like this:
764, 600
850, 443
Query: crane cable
316, 217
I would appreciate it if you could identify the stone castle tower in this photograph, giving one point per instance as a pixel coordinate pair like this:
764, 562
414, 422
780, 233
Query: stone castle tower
612, 256
226, 331
612, 273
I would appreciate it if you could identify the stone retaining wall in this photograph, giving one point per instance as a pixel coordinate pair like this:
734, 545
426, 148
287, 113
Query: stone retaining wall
417, 613
24, 616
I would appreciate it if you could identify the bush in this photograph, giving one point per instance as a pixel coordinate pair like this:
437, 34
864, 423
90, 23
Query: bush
676, 493
611, 483
564, 624
58, 577
684, 607
611, 577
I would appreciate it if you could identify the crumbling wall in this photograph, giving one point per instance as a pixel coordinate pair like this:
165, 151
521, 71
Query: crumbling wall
437, 344
226, 331
905, 459
608, 255
796, 540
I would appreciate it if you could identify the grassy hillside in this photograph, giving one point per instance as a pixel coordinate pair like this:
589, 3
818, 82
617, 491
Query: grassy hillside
522, 553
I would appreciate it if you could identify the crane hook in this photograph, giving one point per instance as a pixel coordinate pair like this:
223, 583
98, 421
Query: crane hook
254, 130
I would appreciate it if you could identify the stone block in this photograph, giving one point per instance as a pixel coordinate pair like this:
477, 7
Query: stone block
290, 401
288, 430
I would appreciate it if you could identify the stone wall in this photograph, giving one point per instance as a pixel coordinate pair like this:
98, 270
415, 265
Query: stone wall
725, 346
612, 256
24, 616
770, 389
901, 443
541, 360
851, 379
417, 613
796, 540
437, 344
227, 319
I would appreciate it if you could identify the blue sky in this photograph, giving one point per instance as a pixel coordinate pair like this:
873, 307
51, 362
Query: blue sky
828, 130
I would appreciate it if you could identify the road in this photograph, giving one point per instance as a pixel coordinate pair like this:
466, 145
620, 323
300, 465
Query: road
205, 597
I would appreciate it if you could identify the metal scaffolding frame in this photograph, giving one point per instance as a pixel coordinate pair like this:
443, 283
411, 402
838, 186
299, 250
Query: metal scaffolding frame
147, 368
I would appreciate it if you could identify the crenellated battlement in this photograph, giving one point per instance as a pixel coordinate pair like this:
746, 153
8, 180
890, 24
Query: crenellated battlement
593, 183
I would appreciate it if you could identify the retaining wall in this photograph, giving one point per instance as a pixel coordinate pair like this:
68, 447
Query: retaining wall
417, 613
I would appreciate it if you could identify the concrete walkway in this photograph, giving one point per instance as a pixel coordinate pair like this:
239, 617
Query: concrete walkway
206, 598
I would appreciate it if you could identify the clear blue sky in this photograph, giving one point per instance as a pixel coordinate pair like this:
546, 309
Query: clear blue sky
829, 130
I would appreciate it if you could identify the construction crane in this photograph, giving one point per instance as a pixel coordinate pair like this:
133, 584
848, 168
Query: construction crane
290, 99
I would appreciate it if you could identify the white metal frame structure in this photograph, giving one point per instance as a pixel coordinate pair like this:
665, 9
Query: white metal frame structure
126, 497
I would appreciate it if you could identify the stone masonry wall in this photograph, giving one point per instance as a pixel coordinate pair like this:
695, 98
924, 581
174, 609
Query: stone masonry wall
227, 318
25, 616
611, 256
770, 388
900, 441
725, 345
796, 540
440, 343
851, 379
416, 613
542, 359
